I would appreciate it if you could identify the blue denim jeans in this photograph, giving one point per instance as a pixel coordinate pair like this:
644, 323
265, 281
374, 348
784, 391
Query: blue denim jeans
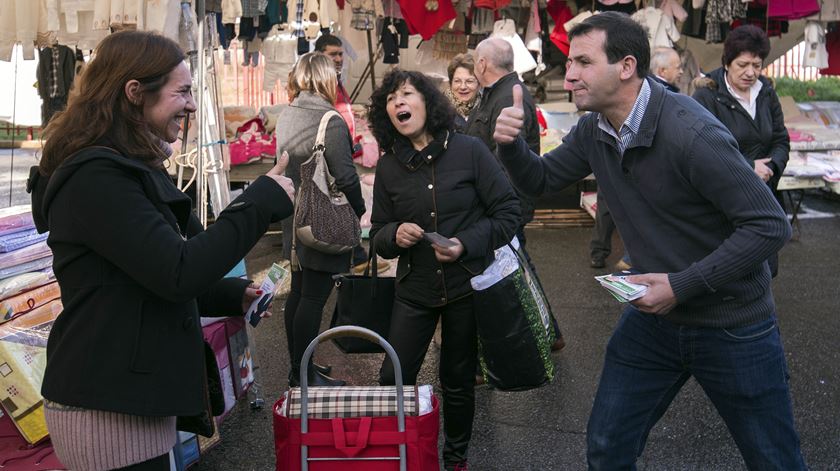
742, 371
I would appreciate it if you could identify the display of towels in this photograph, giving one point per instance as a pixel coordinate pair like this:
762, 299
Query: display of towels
23, 358
30, 300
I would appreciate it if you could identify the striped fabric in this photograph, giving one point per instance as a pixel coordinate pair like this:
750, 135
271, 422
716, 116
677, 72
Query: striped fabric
631, 125
352, 401
93, 440
298, 26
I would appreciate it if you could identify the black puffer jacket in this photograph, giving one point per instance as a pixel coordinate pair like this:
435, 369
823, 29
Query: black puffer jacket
482, 124
454, 187
762, 137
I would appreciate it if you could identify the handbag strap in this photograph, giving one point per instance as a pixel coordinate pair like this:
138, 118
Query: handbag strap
322, 128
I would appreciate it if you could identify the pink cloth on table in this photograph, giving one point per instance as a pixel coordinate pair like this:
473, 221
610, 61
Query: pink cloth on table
15, 223
799, 136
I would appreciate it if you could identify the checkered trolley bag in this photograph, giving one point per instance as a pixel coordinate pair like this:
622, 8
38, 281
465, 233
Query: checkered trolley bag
355, 428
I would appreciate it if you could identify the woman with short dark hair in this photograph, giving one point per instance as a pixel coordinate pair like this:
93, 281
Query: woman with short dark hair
432, 180
746, 103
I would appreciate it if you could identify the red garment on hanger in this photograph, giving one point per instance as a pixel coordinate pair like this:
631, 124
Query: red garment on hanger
560, 13
790, 9
491, 4
424, 22
832, 45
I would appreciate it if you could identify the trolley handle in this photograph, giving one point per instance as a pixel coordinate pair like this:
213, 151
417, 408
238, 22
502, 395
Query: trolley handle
349, 331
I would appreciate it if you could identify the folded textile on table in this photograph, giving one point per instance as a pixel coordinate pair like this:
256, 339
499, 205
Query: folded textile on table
15, 219
23, 303
26, 281
18, 240
34, 265
26, 254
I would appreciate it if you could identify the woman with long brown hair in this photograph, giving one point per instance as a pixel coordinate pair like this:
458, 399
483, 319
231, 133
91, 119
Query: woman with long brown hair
125, 359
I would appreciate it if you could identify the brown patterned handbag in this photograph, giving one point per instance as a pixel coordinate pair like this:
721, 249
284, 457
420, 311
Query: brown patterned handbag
324, 219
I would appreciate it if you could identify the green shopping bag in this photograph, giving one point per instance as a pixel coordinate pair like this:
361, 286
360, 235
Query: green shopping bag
513, 323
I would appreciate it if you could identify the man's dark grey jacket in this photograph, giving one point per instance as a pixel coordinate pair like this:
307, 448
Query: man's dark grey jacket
685, 201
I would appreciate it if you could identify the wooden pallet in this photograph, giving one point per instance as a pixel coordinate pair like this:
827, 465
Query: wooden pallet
557, 218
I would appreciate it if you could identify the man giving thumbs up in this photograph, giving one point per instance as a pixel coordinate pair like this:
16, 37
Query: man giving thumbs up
698, 221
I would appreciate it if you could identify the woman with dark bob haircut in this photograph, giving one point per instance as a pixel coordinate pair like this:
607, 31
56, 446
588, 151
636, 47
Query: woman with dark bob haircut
432, 180
746, 103
126, 358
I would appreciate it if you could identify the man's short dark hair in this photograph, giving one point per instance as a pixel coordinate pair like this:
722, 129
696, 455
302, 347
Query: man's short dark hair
326, 40
624, 37
745, 38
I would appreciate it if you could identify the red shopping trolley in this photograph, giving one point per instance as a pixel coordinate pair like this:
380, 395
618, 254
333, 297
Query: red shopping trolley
353, 431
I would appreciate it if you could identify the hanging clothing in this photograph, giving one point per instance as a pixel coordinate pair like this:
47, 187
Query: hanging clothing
628, 8
424, 22
757, 16
816, 55
389, 37
158, 13
19, 21
278, 50
70, 22
522, 59
492, 4
719, 14
231, 10
662, 32
792, 9
391, 9
832, 46
691, 70
674, 10
830, 11
55, 73
533, 41
481, 20
562, 15
253, 8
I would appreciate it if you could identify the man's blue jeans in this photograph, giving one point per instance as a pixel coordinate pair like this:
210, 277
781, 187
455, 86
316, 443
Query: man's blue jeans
742, 370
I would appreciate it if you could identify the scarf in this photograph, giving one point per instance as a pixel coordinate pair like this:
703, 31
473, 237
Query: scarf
462, 107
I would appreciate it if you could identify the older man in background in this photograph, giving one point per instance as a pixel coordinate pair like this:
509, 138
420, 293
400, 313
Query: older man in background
666, 67
495, 74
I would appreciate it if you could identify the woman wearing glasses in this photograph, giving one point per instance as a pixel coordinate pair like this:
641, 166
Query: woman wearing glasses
463, 87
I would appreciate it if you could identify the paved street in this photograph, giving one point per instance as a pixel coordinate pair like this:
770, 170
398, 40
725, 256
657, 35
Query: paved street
544, 429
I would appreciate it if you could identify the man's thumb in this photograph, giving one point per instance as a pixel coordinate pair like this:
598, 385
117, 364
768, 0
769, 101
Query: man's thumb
517, 96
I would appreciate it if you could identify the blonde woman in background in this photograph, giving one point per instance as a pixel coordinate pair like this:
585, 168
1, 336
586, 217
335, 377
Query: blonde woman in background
312, 88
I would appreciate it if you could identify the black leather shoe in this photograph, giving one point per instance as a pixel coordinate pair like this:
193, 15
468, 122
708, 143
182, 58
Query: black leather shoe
318, 379
597, 263
315, 379
323, 369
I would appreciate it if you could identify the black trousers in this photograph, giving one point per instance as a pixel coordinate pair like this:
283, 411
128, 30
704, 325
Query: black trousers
412, 327
304, 307
600, 246
161, 463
